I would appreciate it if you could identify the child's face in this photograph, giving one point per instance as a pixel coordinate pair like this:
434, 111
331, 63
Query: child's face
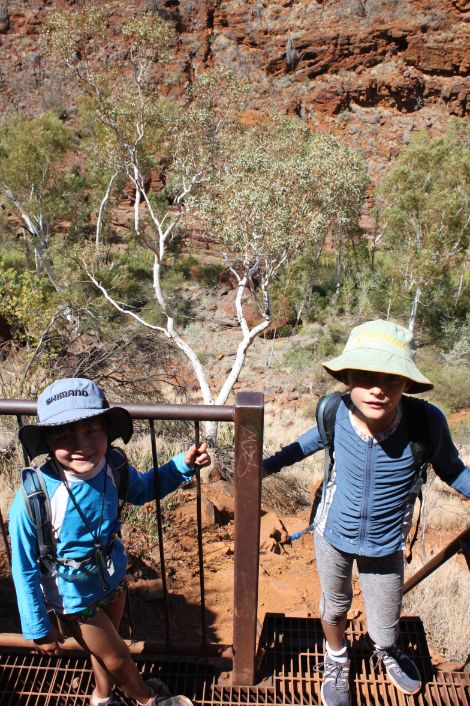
375, 396
79, 447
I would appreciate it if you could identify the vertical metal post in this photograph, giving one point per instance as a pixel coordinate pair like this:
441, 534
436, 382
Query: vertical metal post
249, 414
3, 529
199, 541
160, 532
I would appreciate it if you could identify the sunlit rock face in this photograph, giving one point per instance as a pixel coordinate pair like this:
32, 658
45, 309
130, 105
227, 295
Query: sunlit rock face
370, 71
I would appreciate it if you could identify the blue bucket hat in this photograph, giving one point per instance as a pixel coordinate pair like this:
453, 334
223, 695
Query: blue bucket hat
71, 400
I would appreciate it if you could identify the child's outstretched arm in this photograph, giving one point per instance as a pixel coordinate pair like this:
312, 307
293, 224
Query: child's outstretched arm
35, 622
304, 446
445, 459
180, 469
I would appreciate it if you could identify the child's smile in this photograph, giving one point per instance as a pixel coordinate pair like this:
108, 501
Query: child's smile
79, 447
376, 397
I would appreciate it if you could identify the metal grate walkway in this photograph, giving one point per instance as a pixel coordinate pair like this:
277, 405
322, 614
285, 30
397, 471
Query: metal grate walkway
290, 650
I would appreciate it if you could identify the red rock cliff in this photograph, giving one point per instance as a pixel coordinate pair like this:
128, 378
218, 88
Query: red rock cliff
370, 71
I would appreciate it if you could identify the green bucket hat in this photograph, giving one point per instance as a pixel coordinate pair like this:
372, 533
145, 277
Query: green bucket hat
382, 347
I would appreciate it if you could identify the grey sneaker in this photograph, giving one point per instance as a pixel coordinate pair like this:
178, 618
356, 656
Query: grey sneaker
162, 696
335, 686
400, 668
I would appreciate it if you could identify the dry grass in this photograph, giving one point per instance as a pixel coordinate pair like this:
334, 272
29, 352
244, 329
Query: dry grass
286, 494
171, 439
442, 602
443, 508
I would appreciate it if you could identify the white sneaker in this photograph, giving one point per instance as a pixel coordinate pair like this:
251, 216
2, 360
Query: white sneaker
162, 696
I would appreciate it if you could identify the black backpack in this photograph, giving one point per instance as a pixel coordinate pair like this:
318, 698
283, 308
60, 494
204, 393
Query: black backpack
418, 434
38, 503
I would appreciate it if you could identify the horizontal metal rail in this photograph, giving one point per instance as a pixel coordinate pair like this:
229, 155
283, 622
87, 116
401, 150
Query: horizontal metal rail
247, 415
11, 640
185, 412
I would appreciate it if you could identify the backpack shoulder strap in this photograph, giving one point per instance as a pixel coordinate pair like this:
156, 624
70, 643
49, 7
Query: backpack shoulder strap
326, 416
420, 445
38, 507
119, 464
418, 431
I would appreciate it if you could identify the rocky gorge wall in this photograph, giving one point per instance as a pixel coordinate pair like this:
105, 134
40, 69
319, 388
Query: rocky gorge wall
369, 71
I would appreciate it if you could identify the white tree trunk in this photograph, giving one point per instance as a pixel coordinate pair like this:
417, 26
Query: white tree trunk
103, 204
248, 336
35, 228
414, 309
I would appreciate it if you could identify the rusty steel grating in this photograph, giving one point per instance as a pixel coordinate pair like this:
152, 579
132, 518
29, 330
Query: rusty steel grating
34, 680
290, 650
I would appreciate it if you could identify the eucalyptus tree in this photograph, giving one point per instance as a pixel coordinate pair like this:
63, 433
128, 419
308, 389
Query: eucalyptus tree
264, 191
425, 216
279, 191
34, 184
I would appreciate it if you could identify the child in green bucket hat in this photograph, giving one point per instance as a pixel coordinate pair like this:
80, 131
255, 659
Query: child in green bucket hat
366, 511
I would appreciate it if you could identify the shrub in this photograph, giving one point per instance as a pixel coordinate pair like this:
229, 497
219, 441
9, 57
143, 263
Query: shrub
286, 494
451, 383
441, 601
457, 340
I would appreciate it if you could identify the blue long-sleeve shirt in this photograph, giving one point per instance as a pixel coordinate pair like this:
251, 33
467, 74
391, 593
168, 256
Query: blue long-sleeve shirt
68, 589
366, 508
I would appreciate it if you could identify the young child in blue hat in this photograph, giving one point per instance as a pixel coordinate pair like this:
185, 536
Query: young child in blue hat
85, 586
366, 509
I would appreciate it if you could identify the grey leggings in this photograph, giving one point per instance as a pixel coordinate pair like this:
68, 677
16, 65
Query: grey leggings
381, 583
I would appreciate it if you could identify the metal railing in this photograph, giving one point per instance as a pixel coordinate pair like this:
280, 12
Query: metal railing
461, 543
247, 416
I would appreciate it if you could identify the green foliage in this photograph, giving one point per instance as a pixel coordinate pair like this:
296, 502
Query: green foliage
188, 267
456, 336
72, 37
451, 382
305, 288
44, 196
325, 345
126, 273
121, 108
28, 303
210, 275
423, 204
68, 34
280, 189
192, 131
31, 154
12, 258
299, 358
